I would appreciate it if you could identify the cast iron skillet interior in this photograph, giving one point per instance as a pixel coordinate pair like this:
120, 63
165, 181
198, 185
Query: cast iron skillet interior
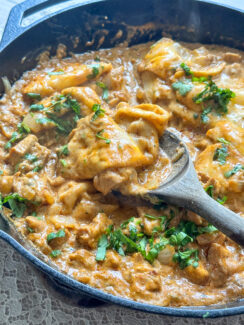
183, 20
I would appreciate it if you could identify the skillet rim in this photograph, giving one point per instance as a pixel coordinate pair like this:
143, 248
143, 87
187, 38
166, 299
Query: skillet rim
211, 311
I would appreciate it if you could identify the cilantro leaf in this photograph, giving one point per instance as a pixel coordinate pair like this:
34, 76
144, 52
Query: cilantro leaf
187, 70
55, 253
36, 107
217, 98
204, 114
102, 248
105, 90
13, 139
233, 171
30, 157
220, 154
209, 190
186, 258
208, 229
63, 126
53, 235
16, 203
222, 201
63, 162
34, 96
95, 71
99, 135
37, 168
64, 150
125, 223
23, 129
182, 87
223, 140
98, 111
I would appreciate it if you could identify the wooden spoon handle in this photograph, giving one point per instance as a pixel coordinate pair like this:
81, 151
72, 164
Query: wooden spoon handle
187, 192
222, 218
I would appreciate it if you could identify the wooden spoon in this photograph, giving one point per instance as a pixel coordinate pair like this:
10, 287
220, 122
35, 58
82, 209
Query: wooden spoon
183, 189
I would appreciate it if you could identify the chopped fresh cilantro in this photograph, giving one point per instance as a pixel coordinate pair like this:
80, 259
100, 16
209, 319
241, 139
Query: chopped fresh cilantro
44, 120
13, 139
37, 168
98, 111
180, 239
95, 71
220, 154
233, 171
204, 114
205, 315
223, 140
23, 129
17, 136
61, 102
97, 59
34, 96
125, 223
155, 249
63, 126
195, 116
15, 202
30, 157
186, 258
63, 162
102, 247
64, 150
216, 98
209, 190
222, 201
99, 135
187, 70
30, 229
199, 79
105, 90
129, 238
53, 235
36, 107
55, 253
182, 87
162, 219
208, 229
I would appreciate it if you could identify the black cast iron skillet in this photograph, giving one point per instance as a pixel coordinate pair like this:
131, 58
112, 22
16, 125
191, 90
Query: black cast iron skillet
184, 20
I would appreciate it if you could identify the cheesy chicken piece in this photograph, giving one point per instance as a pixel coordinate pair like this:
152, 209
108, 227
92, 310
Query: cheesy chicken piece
229, 131
210, 168
85, 96
60, 104
101, 143
166, 55
164, 79
71, 75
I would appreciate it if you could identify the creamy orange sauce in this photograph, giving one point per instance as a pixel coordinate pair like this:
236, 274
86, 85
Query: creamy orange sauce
66, 171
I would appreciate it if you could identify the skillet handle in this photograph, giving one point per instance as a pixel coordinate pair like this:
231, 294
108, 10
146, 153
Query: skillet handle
15, 27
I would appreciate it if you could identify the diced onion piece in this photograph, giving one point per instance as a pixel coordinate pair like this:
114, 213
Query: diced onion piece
6, 84
166, 255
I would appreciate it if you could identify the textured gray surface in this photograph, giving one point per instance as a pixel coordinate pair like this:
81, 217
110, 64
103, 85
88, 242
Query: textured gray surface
27, 298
